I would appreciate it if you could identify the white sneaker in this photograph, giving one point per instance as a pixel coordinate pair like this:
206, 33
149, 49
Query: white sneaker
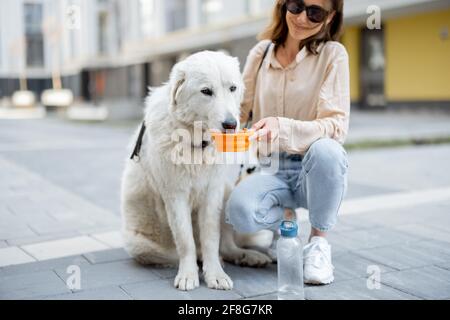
317, 262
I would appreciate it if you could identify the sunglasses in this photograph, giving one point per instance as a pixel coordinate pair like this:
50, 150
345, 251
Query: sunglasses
315, 13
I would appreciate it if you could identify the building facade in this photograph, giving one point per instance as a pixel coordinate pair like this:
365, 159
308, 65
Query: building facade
110, 51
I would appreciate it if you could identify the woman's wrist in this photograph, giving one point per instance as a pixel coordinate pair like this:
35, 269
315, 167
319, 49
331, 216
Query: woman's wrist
285, 132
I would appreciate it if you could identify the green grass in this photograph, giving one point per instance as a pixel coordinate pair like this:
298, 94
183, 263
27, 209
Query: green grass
375, 144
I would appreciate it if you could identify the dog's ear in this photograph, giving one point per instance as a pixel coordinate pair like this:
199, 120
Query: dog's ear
176, 82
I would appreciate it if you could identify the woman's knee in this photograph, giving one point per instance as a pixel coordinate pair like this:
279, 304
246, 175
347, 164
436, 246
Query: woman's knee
327, 154
254, 214
239, 212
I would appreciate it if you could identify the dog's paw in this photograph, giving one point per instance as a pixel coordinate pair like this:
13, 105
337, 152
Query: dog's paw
186, 280
218, 280
252, 258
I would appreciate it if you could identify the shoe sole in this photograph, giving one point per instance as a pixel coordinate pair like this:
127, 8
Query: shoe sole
318, 282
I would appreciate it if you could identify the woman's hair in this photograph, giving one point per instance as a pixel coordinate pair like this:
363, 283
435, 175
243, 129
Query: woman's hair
277, 31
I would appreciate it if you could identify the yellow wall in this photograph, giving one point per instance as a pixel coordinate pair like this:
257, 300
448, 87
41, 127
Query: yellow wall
418, 60
351, 40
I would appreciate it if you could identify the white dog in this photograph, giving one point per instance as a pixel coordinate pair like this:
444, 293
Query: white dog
171, 210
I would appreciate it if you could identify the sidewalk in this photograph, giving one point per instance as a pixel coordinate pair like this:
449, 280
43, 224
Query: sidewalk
59, 206
397, 125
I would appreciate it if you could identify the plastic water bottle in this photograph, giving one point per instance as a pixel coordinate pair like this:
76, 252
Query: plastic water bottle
290, 263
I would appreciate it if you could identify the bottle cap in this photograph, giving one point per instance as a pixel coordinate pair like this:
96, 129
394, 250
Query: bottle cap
288, 229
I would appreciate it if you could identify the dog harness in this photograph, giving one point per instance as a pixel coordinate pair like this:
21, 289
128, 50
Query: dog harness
138, 145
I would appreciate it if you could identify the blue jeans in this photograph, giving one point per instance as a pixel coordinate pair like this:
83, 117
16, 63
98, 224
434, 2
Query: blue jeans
317, 182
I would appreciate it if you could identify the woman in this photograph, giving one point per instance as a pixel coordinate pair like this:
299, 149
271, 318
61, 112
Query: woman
300, 95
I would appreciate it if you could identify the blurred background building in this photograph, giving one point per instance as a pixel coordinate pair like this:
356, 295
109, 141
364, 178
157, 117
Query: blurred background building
109, 51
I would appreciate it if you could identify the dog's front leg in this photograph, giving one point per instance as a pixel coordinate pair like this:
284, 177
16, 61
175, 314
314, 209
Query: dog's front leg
180, 222
209, 224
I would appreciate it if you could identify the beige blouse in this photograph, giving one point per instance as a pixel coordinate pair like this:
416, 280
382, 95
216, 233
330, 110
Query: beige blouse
310, 97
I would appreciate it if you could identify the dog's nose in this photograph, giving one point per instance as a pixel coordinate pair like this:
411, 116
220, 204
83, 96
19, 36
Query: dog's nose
229, 124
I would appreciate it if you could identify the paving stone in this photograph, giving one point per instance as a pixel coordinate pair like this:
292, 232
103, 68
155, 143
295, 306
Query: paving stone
440, 249
253, 281
87, 218
40, 238
349, 266
27, 207
91, 217
428, 282
355, 289
100, 229
30, 285
165, 272
13, 199
420, 230
407, 168
372, 238
171, 272
45, 265
271, 296
110, 274
107, 293
13, 231
357, 190
14, 255
107, 256
52, 227
48, 178
112, 239
164, 290
354, 222
403, 256
3, 208
6, 192
344, 227
444, 265
8, 218
29, 218
70, 175
56, 206
63, 247
339, 240
416, 215
337, 250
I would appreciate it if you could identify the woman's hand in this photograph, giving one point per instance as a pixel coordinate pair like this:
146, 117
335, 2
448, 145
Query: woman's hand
266, 129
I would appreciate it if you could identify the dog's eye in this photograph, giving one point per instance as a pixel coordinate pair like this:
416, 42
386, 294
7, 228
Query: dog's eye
233, 88
207, 92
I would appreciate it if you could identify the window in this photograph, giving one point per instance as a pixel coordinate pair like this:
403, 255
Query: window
176, 15
147, 12
0, 46
33, 34
266, 5
73, 48
219, 11
258, 7
102, 32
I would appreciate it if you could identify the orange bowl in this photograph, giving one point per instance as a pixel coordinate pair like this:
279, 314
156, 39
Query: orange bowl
232, 142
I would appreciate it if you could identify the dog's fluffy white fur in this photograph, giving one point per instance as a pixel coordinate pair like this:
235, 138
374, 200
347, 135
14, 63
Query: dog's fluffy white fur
173, 213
